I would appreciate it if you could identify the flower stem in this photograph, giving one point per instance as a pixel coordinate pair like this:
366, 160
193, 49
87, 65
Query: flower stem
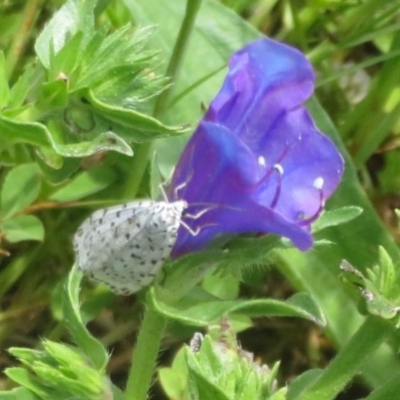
144, 355
140, 160
348, 361
178, 54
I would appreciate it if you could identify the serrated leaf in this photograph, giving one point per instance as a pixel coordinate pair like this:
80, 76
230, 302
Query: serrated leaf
74, 15
199, 308
336, 217
20, 189
71, 307
131, 124
119, 69
85, 184
201, 388
23, 227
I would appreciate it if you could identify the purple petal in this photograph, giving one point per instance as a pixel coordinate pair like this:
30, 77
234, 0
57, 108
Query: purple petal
265, 79
220, 185
250, 217
306, 157
256, 163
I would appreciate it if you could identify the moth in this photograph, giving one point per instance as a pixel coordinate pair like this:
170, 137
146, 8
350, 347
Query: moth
126, 245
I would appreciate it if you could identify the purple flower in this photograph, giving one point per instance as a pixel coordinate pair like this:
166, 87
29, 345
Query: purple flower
256, 162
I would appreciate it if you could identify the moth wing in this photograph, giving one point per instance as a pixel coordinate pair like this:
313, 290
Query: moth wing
108, 229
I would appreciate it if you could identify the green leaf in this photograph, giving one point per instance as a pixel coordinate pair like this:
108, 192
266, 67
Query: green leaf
117, 393
279, 395
23, 227
202, 388
20, 393
301, 383
4, 89
53, 96
25, 379
73, 16
62, 369
336, 217
21, 88
223, 286
20, 189
91, 346
85, 184
174, 379
129, 123
104, 141
388, 391
23, 132
119, 68
63, 64
199, 308
217, 363
39, 135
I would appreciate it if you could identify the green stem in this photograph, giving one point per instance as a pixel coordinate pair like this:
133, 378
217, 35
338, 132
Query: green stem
141, 158
178, 54
144, 355
348, 361
22, 34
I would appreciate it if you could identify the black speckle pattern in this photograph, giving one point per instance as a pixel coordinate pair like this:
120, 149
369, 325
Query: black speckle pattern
125, 246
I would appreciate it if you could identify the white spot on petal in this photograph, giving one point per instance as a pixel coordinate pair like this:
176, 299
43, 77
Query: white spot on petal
261, 161
319, 183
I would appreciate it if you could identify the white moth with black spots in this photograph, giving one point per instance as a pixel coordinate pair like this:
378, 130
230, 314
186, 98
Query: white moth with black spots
125, 246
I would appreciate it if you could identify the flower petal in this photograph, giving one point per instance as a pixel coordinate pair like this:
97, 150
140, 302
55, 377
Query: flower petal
208, 169
257, 163
266, 78
308, 160
226, 190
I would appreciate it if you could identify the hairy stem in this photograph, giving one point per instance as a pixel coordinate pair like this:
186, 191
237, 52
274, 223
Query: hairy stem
144, 355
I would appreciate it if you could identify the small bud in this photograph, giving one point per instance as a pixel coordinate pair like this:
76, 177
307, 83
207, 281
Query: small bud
379, 286
221, 366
